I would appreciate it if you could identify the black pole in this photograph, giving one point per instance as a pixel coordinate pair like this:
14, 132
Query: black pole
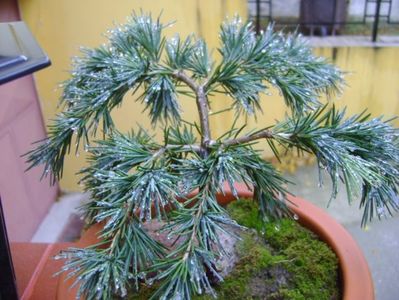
334, 15
257, 16
8, 286
376, 20
270, 11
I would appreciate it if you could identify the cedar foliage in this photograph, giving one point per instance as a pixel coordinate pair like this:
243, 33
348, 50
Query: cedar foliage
132, 179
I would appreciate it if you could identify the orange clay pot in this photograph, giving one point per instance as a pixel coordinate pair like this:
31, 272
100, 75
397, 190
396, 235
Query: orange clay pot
357, 283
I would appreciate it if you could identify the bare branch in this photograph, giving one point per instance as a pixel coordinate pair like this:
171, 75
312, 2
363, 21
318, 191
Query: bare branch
185, 148
181, 75
264, 134
202, 105
203, 109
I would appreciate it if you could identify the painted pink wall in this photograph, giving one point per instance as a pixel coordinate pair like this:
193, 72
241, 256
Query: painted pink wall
25, 199
9, 11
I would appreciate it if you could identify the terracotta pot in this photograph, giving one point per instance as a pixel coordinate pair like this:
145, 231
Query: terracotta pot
357, 283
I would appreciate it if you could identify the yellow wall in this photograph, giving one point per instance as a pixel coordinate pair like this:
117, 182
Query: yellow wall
372, 79
61, 26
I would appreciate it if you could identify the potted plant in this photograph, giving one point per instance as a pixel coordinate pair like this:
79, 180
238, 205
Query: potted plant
134, 180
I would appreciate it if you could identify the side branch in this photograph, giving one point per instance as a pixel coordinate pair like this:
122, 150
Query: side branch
197, 217
264, 134
185, 148
181, 75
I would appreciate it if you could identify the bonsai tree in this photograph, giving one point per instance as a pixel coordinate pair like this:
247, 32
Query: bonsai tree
132, 179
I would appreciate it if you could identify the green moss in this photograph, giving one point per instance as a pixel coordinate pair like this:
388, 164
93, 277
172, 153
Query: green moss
283, 261
246, 213
145, 292
311, 263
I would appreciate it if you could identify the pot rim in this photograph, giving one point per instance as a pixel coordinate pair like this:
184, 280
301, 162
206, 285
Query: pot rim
356, 278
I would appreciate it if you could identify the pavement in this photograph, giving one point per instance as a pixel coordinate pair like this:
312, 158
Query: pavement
379, 240
63, 222
353, 41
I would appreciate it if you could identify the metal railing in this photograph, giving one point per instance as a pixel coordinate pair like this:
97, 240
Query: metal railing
335, 15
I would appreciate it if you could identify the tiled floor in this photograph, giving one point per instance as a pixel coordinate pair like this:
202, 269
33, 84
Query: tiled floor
379, 241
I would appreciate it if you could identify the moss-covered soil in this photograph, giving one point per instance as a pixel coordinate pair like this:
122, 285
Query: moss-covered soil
279, 260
